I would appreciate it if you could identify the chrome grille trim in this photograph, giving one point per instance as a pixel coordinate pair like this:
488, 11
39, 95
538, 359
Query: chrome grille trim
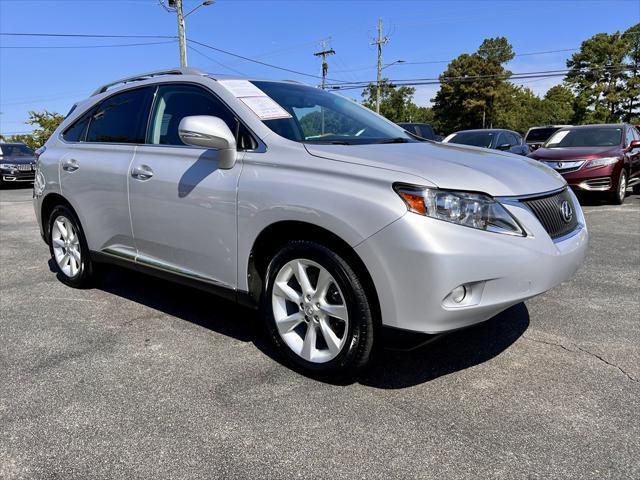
547, 209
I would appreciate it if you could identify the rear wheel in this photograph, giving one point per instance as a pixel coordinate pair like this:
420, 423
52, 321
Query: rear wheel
68, 248
316, 310
620, 193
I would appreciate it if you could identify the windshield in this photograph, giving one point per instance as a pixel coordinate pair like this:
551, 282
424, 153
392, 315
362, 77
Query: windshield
585, 137
16, 151
476, 139
321, 117
540, 134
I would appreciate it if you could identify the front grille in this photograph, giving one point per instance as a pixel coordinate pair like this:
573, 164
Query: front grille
548, 210
24, 168
566, 166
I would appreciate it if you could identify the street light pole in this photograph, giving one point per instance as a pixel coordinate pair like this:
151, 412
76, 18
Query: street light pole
181, 34
176, 5
379, 42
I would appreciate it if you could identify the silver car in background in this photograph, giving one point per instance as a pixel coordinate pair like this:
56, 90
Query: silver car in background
329, 218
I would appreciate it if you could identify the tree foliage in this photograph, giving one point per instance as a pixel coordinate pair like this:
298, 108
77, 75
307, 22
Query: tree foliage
45, 122
472, 103
606, 89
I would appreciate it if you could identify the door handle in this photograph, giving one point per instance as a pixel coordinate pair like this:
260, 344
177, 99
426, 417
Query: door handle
142, 172
70, 165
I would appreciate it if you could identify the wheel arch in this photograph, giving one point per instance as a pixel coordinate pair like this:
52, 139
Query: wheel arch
51, 201
277, 234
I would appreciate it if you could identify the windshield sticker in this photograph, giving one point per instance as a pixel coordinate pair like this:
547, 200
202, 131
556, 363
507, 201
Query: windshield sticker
265, 108
242, 88
254, 98
557, 138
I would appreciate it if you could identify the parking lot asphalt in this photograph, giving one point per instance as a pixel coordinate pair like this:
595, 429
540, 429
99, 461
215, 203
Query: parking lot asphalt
140, 378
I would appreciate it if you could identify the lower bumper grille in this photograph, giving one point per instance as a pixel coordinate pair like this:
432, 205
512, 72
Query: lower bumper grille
556, 213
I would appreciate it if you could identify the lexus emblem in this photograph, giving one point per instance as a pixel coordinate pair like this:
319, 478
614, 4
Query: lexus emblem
567, 211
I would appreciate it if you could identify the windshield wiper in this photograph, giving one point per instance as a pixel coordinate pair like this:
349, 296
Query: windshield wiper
395, 140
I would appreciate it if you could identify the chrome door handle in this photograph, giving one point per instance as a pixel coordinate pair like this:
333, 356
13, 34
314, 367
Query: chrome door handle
70, 165
142, 172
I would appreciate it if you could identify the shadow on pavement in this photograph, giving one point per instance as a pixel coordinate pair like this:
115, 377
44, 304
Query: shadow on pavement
449, 353
389, 369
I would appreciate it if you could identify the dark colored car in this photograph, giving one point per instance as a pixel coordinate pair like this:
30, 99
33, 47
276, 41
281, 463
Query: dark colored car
17, 163
595, 158
536, 136
422, 130
495, 138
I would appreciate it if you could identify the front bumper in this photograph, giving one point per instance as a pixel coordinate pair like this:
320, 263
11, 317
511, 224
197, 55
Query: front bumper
13, 175
417, 261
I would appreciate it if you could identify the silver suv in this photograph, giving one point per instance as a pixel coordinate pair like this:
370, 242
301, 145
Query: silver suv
329, 218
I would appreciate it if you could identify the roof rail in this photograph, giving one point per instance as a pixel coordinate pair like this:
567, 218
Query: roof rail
146, 76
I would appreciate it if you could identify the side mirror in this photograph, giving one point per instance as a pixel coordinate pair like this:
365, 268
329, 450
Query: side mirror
633, 145
504, 146
210, 132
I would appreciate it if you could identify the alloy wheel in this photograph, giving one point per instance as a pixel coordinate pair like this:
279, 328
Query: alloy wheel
66, 246
622, 188
309, 310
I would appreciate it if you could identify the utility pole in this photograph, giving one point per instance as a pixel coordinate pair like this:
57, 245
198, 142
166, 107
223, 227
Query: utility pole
325, 66
181, 33
379, 42
176, 6
324, 51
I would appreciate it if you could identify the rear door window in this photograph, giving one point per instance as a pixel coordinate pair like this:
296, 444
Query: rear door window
121, 118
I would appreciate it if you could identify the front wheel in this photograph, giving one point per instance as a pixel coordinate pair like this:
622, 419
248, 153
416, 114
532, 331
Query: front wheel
316, 310
620, 193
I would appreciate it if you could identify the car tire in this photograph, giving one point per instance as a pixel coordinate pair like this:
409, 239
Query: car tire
68, 248
618, 196
329, 329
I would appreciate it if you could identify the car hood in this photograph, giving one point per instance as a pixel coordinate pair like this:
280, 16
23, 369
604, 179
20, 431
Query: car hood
571, 153
448, 166
18, 160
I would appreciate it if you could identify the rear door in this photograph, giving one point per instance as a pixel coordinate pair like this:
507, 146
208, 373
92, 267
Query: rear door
94, 174
634, 155
183, 207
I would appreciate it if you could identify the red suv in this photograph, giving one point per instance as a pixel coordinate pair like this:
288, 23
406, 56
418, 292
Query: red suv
595, 158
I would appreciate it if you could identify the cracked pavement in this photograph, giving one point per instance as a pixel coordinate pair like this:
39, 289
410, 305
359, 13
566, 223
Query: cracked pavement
139, 378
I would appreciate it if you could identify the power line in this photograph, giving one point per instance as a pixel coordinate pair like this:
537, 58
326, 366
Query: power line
191, 47
259, 62
82, 35
475, 78
86, 46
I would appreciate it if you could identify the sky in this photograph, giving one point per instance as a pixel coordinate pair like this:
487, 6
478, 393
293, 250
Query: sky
39, 73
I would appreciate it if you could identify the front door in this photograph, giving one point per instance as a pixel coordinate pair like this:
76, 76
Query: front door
183, 207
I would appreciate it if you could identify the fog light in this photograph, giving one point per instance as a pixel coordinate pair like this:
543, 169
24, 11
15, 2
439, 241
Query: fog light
458, 294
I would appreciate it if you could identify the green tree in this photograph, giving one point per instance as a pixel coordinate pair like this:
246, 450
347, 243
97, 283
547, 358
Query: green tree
395, 102
631, 91
558, 106
466, 102
45, 122
517, 108
597, 75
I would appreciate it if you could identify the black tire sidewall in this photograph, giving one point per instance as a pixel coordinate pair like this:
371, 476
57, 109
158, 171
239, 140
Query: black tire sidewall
82, 279
357, 348
616, 195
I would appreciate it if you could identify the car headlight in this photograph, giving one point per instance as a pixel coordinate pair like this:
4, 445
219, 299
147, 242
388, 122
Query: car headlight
474, 210
602, 162
8, 166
